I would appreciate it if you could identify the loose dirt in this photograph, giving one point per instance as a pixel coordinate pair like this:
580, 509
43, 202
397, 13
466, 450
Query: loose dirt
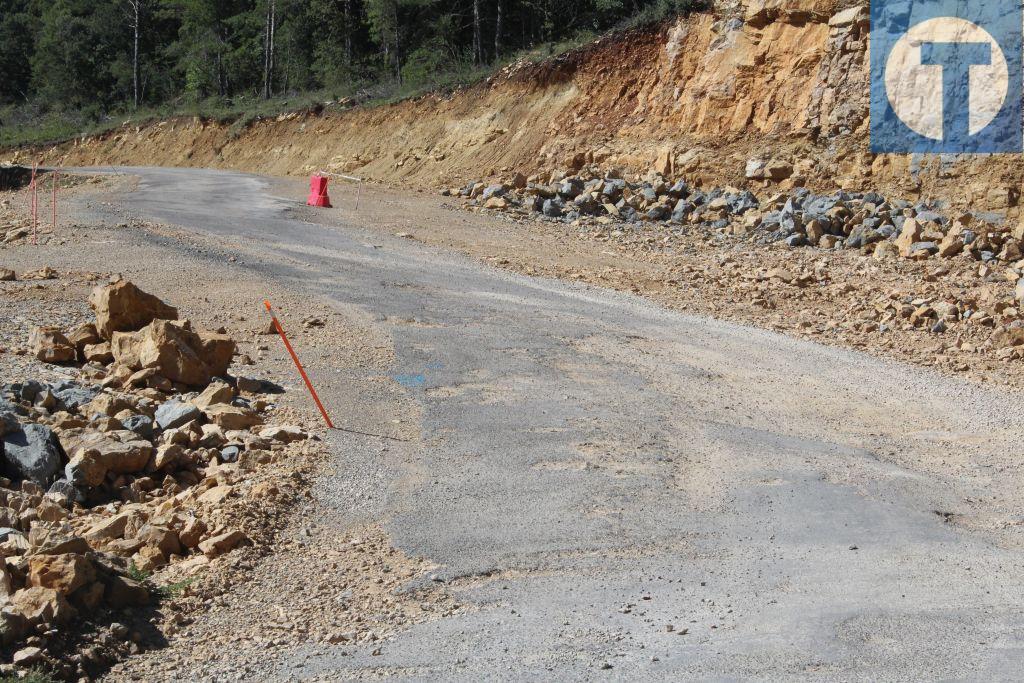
212, 617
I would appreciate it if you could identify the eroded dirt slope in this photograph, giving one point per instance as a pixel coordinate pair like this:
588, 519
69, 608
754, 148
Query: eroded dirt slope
768, 79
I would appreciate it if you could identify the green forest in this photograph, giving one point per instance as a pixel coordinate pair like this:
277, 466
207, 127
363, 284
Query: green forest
68, 64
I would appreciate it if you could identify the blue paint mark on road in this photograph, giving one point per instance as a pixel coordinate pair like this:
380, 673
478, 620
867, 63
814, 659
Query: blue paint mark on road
411, 381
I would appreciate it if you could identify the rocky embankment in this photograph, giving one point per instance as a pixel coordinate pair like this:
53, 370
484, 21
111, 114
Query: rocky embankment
150, 458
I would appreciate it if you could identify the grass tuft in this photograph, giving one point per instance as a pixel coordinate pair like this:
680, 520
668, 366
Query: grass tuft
136, 574
174, 590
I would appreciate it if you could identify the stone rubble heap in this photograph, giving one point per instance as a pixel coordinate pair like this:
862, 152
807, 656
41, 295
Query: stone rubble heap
660, 211
121, 471
13, 228
886, 228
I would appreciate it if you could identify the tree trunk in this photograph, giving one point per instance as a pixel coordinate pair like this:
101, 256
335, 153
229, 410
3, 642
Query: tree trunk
135, 22
478, 47
398, 44
348, 33
497, 32
266, 53
546, 28
269, 30
221, 86
222, 79
135, 60
273, 36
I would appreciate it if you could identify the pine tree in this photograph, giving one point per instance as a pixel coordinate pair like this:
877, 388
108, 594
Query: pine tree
81, 56
382, 17
103, 55
17, 38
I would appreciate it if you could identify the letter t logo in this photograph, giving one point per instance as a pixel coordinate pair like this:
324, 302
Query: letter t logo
956, 60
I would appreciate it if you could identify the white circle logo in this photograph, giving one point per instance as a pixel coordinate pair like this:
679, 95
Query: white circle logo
915, 89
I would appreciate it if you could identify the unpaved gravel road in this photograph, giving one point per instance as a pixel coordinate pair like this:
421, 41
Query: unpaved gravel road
613, 491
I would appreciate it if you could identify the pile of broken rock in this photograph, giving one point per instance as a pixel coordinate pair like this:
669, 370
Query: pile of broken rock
884, 227
13, 229
122, 470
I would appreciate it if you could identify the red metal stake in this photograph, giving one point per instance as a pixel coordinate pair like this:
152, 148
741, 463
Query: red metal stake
291, 351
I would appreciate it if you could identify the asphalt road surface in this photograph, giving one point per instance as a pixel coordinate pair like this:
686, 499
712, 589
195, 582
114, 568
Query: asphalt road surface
621, 492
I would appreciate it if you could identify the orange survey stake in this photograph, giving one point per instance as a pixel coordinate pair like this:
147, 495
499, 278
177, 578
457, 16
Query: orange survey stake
302, 371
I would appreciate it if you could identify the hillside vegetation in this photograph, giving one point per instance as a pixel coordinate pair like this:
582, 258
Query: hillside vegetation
80, 66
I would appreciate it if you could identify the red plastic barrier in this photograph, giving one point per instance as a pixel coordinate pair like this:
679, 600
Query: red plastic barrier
318, 191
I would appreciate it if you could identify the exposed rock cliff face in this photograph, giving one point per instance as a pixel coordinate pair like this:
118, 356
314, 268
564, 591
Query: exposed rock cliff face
775, 80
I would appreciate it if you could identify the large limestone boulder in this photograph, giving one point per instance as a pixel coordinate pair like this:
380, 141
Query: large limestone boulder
192, 532
217, 351
51, 346
222, 543
42, 606
84, 335
175, 351
123, 307
55, 540
97, 353
910, 235
284, 433
216, 393
64, 573
230, 417
164, 539
114, 527
120, 452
